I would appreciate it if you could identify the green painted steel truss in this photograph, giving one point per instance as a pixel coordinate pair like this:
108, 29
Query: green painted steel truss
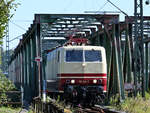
101, 30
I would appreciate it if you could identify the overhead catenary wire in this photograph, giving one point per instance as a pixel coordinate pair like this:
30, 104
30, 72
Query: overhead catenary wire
102, 12
15, 38
18, 25
29, 21
118, 8
103, 6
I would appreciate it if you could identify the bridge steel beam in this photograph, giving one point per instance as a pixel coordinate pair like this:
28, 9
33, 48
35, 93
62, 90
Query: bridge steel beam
128, 60
118, 59
110, 39
146, 67
115, 36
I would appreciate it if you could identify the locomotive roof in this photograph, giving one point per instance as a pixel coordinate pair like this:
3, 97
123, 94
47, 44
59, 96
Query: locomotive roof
77, 47
84, 47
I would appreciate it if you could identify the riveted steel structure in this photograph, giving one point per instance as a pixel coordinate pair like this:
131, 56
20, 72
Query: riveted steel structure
51, 30
141, 80
139, 77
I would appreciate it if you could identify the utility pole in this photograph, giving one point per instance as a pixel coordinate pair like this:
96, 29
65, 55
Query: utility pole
139, 76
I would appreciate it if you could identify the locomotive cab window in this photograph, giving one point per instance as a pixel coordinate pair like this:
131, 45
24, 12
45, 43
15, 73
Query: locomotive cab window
74, 55
93, 56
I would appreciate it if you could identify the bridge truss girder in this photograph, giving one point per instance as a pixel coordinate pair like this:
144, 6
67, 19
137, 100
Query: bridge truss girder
115, 36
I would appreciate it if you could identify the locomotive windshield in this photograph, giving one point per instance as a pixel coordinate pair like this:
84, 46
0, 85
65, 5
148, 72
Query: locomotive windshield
74, 55
87, 56
92, 56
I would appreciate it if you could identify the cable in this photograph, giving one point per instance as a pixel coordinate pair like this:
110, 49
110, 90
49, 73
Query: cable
102, 12
15, 38
103, 6
118, 8
18, 26
21, 21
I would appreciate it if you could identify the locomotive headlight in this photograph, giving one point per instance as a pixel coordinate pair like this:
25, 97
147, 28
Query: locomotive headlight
94, 81
72, 81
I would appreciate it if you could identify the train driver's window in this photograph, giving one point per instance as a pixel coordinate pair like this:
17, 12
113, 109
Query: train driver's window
74, 56
93, 56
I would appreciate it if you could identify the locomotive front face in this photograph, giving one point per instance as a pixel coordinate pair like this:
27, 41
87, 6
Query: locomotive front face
83, 66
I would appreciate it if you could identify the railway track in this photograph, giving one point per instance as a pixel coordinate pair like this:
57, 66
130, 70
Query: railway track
97, 109
53, 107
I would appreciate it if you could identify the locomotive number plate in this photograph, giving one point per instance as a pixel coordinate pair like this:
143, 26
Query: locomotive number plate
83, 81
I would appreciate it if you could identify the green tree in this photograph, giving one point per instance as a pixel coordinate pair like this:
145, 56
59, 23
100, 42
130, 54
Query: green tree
6, 12
7, 8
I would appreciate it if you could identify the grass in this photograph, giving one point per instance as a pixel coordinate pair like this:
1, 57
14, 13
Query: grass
9, 110
12, 110
134, 105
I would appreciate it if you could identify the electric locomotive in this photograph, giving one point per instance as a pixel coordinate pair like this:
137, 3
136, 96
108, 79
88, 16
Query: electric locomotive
79, 72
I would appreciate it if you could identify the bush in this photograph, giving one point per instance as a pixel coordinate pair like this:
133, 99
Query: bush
5, 86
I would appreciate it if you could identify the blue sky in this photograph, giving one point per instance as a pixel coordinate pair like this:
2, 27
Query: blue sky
25, 12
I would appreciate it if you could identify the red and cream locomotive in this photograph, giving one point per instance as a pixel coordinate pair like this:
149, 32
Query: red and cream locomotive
79, 72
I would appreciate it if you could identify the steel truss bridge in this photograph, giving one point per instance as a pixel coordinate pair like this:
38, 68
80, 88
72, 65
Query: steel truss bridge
51, 30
